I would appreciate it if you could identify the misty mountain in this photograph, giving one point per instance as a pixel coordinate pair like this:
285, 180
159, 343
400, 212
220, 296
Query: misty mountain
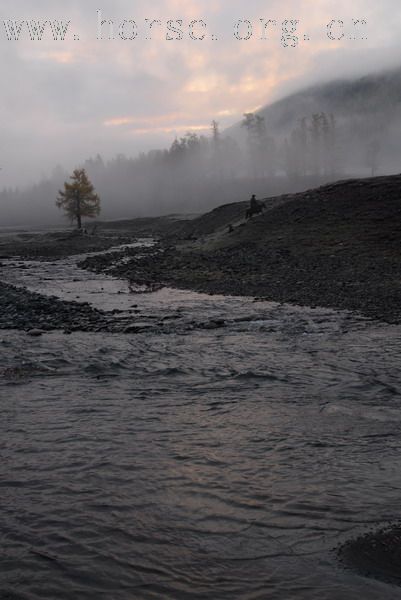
365, 109
321, 134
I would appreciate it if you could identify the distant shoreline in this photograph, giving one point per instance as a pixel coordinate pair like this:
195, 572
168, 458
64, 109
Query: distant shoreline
337, 246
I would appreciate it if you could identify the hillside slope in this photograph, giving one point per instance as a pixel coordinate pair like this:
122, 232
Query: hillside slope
337, 246
373, 97
366, 110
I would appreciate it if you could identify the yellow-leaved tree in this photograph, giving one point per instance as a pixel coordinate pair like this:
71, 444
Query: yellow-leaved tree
79, 199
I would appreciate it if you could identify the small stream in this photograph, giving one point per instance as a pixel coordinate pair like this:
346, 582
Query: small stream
198, 462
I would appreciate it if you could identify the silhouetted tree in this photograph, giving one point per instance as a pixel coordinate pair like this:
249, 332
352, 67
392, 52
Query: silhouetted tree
312, 148
261, 145
316, 136
215, 132
372, 156
216, 154
78, 199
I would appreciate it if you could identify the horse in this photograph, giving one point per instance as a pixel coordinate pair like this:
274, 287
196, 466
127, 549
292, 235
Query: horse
255, 210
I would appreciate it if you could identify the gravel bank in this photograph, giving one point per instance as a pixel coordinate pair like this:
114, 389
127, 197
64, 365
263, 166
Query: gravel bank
338, 246
376, 554
25, 310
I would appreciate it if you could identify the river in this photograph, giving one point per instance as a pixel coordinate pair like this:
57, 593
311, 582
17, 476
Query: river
196, 463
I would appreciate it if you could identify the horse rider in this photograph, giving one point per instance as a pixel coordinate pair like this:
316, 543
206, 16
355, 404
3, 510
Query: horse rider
253, 203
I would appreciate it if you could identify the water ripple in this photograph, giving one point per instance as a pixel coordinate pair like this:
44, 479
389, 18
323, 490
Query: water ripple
216, 464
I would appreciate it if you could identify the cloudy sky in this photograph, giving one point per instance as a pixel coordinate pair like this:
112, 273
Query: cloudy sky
63, 101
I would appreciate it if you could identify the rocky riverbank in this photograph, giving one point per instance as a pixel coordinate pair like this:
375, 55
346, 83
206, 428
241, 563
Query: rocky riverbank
57, 244
338, 246
35, 313
376, 554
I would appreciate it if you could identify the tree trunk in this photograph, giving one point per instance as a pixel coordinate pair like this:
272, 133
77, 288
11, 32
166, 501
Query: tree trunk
79, 222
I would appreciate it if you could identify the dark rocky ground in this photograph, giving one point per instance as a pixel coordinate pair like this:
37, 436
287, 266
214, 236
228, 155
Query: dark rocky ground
37, 314
376, 554
25, 310
337, 246
58, 244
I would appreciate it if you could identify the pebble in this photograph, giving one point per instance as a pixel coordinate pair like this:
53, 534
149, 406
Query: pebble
35, 332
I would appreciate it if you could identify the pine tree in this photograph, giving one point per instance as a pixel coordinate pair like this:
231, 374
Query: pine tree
78, 199
216, 152
261, 145
372, 156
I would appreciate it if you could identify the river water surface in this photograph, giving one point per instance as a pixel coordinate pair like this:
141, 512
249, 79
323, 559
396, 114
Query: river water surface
196, 463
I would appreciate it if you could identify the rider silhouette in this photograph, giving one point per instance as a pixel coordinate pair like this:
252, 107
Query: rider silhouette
253, 202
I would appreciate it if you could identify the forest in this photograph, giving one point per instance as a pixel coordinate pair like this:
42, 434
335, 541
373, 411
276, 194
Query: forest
198, 172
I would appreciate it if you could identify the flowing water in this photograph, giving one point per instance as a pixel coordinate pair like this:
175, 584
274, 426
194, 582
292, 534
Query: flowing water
200, 463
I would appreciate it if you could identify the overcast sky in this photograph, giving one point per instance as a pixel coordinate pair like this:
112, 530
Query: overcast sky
63, 101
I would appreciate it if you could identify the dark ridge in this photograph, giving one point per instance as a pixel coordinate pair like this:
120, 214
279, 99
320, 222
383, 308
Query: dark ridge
360, 99
375, 554
337, 246
25, 310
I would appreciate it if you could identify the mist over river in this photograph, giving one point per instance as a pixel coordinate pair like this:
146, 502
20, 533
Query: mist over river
190, 461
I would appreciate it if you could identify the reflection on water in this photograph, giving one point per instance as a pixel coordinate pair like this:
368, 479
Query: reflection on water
223, 464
